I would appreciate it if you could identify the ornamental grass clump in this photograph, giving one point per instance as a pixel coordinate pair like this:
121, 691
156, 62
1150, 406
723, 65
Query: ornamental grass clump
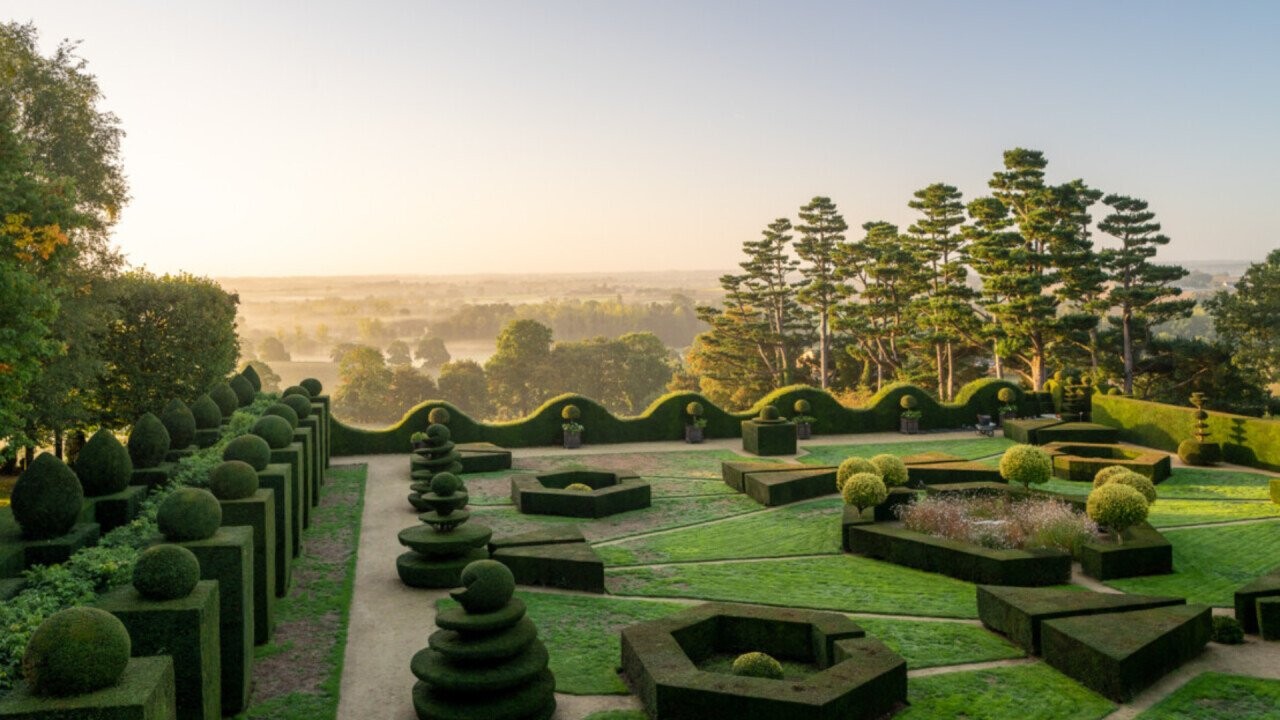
994, 523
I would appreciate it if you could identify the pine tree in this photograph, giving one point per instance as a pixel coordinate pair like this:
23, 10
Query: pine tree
889, 277
994, 253
768, 287
821, 232
946, 313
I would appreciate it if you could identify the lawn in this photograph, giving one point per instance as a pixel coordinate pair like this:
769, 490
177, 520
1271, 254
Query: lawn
978, 447
1211, 696
926, 643
664, 513
1167, 513
677, 464
1017, 692
495, 488
1190, 484
1212, 562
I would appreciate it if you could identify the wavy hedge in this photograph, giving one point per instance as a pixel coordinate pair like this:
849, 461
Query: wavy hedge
1250, 441
665, 418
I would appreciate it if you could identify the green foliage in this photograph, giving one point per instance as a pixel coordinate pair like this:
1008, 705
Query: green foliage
802, 407
46, 499
148, 442
166, 572
1246, 319
1227, 630
432, 353
757, 664
463, 383
445, 484
769, 413
243, 389
694, 409
488, 587
1026, 464
1105, 475
251, 374
518, 372
301, 405
250, 449
578, 487
207, 413
1198, 453
313, 386
275, 430
180, 422
296, 390
891, 469
1129, 478
189, 513
1254, 442
438, 416
76, 651
103, 465
233, 480
1214, 696
224, 397
1007, 395
285, 411
854, 466
1117, 507
570, 413
864, 490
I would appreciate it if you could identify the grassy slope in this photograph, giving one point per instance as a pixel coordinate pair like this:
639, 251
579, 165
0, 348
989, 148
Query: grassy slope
1211, 696
1007, 693
1212, 562
976, 448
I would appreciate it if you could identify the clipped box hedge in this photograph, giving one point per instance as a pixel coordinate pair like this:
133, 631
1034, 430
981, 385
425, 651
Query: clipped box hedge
112, 511
1080, 462
1076, 432
483, 457
294, 457
1246, 599
1254, 442
1018, 612
768, 438
146, 692
1144, 552
17, 553
572, 566
1026, 430
258, 512
772, 488
154, 477
962, 561
276, 479
314, 464
1268, 609
611, 493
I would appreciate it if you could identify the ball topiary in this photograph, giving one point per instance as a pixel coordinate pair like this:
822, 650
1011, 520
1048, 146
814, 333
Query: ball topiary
438, 435
1118, 507
1006, 395
445, 484
1103, 476
296, 390
769, 413
243, 389
802, 407
864, 490
103, 465
253, 377
312, 386
148, 442
166, 572
694, 409
438, 416
579, 487
852, 466
206, 412
76, 651
1026, 464
282, 410
47, 498
189, 513
757, 664
487, 586
891, 469
1227, 630
233, 480
1134, 480
275, 430
301, 405
250, 449
908, 402
1197, 453
225, 398
570, 413
181, 424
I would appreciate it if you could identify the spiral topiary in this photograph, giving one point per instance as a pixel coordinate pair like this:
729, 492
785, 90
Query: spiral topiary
103, 465
864, 490
1134, 480
757, 664
47, 498
166, 572
1118, 507
1026, 464
694, 409
438, 434
76, 651
1197, 453
296, 390
487, 587
802, 407
312, 386
579, 487
181, 424
891, 469
253, 377
438, 416
301, 405
243, 389
250, 449
225, 398
445, 484
282, 410
233, 480
148, 442
1103, 476
275, 430
768, 413
852, 466
206, 412
189, 513
570, 413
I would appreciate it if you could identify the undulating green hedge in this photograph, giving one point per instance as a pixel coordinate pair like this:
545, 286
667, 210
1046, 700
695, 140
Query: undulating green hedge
665, 418
1254, 442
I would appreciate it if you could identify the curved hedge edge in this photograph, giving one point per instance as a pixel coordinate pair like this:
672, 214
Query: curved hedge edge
665, 418
1249, 441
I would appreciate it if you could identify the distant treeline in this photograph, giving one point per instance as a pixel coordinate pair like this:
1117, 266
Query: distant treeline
675, 322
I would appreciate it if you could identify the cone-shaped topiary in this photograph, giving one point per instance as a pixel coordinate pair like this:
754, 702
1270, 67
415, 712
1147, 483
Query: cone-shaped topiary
1026, 464
76, 651
243, 389
275, 430
768, 413
166, 572
250, 449
1118, 507
1132, 479
253, 377
284, 411
300, 404
694, 409
208, 416
296, 390
864, 490
579, 487
852, 466
189, 513
445, 484
47, 498
313, 386
181, 424
1104, 475
148, 442
892, 470
233, 480
225, 398
103, 465
570, 413
438, 416
757, 664
487, 585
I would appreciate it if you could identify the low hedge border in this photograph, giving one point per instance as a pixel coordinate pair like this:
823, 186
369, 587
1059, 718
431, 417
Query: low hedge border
1070, 463
1246, 599
1254, 442
959, 560
544, 494
771, 488
1144, 552
1018, 612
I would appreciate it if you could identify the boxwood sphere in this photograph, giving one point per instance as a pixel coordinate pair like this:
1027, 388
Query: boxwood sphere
908, 402
487, 586
438, 435
275, 430
312, 386
206, 412
76, 651
438, 416
802, 407
1136, 481
47, 498
891, 468
769, 412
1103, 476
757, 664
225, 398
296, 390
852, 466
1006, 395
863, 490
1194, 452
103, 465
445, 484
570, 413
243, 389
250, 449
1116, 506
166, 572
694, 409
579, 487
189, 513
253, 377
284, 411
233, 480
181, 424
148, 442
301, 405
1026, 465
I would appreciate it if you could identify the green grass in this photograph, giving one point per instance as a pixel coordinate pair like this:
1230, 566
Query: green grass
1189, 484
1211, 695
808, 528
676, 464
319, 601
968, 449
1212, 562
1167, 513
841, 582
930, 643
487, 489
1006, 693
662, 514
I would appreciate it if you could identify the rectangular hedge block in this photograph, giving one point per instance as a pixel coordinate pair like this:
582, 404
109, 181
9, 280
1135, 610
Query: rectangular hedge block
550, 535
887, 511
962, 561
1119, 654
1268, 609
985, 489
323, 411
174, 456
1080, 432
929, 457
778, 438
146, 692
782, 488
294, 457
276, 479
259, 513
1144, 552
950, 473
483, 457
112, 511
18, 553
312, 423
1247, 597
735, 472
298, 499
311, 451
155, 477
573, 566
1019, 612
1025, 431
185, 629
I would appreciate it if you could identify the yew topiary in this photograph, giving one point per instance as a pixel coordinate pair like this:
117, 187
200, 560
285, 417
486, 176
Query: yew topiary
181, 424
579, 487
438, 416
166, 572
253, 377
1134, 480
908, 402
243, 389
1027, 465
769, 413
1227, 630
438, 435
225, 398
852, 466
1197, 453
312, 386
802, 407
103, 465
282, 410
694, 409
208, 415
47, 498
864, 490
757, 664
233, 480
445, 484
76, 651
250, 449
296, 390
1103, 476
487, 587
275, 430
891, 469
301, 405
1116, 506
570, 413
189, 513
148, 442
1006, 396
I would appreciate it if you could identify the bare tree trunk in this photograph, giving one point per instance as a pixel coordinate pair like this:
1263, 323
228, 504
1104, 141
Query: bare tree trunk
995, 353
1128, 352
57, 443
951, 373
823, 339
937, 354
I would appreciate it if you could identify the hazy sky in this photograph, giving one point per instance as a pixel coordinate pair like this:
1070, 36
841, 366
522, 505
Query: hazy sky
399, 136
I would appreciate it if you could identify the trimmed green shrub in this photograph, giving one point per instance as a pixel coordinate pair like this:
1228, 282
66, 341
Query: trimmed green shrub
908, 402
166, 572
283, 410
1227, 630
1006, 396
312, 386
1275, 491
275, 430
802, 407
250, 449
757, 664
296, 390
181, 424
76, 651
445, 484
1195, 452
1118, 507
148, 442
438, 435
233, 480
1026, 464
103, 465
225, 398
47, 498
578, 487
570, 413
252, 376
1134, 480
694, 409
864, 490
208, 415
769, 413
853, 466
891, 469
1105, 474
1250, 441
243, 389
438, 416
300, 404
487, 587
189, 513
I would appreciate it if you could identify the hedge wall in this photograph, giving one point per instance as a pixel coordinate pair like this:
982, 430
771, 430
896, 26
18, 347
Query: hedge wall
665, 419
1254, 442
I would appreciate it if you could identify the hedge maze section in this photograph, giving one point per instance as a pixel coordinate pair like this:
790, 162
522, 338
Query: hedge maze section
146, 692
1018, 613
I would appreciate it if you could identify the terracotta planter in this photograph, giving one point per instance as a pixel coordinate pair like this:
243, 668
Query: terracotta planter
692, 434
572, 440
803, 431
909, 426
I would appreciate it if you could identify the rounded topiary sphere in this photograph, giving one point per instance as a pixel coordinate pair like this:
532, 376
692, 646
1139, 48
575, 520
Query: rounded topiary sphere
189, 513
1006, 395
253, 377
148, 442
1103, 476
76, 651
250, 449
438, 434
769, 413
275, 430
233, 480
908, 402
166, 572
282, 410
852, 466
243, 389
579, 487
47, 498
1118, 507
1227, 630
487, 586
570, 413
757, 664
301, 405
181, 424
1194, 452
208, 415
296, 390
891, 468
694, 409
438, 416
225, 398
103, 465
445, 484
864, 490
313, 386
802, 407
1026, 465
1136, 481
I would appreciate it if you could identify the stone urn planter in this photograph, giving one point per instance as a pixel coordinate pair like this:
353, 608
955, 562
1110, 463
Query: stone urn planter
909, 425
693, 434
572, 439
571, 428
909, 420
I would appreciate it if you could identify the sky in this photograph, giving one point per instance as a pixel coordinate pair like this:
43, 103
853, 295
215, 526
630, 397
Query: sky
408, 137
